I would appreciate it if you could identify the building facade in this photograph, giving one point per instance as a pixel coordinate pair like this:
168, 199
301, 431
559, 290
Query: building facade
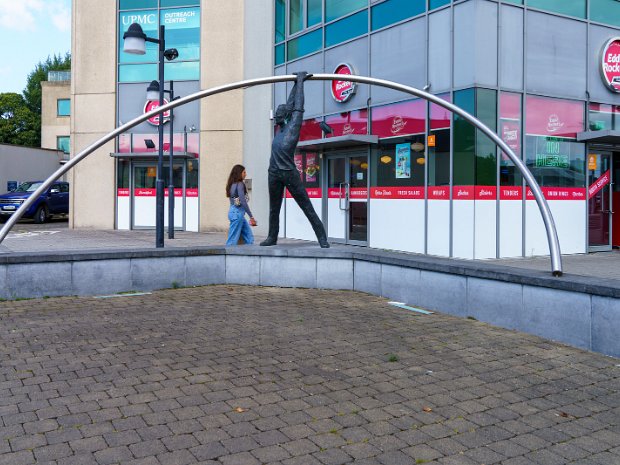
398, 173
56, 111
382, 169
108, 88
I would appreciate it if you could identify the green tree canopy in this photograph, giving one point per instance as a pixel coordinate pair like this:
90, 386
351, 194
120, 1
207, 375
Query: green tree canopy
32, 92
18, 124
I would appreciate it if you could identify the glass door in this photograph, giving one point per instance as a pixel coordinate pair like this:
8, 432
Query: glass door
599, 200
347, 198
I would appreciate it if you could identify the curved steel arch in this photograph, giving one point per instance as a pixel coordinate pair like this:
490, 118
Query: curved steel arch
552, 235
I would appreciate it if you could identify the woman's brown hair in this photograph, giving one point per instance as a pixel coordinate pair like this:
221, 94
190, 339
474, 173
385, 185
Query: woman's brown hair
235, 176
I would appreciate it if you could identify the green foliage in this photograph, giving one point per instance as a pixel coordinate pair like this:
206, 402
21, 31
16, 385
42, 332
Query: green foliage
32, 92
18, 124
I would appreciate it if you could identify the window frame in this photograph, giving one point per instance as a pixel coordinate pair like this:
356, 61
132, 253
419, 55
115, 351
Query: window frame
58, 101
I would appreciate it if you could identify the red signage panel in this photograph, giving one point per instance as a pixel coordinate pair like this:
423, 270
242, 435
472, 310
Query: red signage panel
399, 119
610, 64
601, 182
343, 90
551, 117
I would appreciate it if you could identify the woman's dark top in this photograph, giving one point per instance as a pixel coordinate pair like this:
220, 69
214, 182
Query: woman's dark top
238, 190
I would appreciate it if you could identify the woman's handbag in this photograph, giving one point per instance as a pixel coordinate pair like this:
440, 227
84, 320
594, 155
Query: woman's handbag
237, 200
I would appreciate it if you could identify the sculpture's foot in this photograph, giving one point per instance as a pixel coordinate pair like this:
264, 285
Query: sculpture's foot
324, 244
269, 241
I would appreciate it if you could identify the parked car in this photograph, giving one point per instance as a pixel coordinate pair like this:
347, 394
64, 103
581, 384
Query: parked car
54, 202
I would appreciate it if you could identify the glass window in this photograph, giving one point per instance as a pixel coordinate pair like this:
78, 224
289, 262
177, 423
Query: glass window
393, 11
518, 2
280, 54
346, 28
556, 162
191, 181
439, 145
486, 159
182, 71
605, 11
335, 9
295, 16
510, 131
602, 116
304, 45
553, 117
315, 12
63, 107
464, 140
122, 174
400, 164
148, 20
399, 119
137, 73
432, 4
165, 3
63, 143
136, 4
280, 20
566, 7
350, 122
182, 31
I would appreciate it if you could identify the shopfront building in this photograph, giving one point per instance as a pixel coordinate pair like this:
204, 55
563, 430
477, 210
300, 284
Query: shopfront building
388, 171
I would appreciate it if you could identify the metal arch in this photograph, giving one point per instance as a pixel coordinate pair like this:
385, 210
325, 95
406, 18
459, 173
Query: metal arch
552, 235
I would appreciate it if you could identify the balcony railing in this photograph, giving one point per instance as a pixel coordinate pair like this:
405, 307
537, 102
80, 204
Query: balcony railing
59, 75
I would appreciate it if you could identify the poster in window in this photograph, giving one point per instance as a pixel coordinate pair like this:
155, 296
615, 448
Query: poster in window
299, 163
511, 134
403, 161
311, 167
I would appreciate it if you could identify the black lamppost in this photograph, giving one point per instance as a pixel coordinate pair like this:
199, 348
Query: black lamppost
135, 42
152, 91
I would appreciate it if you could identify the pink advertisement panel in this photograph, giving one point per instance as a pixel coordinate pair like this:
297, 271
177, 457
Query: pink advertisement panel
310, 130
552, 117
353, 122
439, 116
399, 119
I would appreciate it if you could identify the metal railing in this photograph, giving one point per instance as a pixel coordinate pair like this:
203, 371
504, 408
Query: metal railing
59, 76
543, 206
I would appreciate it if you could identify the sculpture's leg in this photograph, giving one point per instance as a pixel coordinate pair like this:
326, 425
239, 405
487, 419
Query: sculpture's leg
298, 191
276, 191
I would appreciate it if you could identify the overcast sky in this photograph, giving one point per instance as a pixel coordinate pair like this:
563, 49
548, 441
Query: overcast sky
30, 31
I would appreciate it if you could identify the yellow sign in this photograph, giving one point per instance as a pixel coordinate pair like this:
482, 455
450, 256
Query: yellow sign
151, 172
431, 140
592, 159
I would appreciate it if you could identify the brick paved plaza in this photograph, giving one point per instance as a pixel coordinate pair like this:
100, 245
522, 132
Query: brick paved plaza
244, 375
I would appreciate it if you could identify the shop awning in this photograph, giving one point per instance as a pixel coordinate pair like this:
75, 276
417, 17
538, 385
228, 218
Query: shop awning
152, 155
607, 136
350, 140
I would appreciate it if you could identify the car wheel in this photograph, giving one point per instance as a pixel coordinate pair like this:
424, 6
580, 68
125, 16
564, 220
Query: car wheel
41, 215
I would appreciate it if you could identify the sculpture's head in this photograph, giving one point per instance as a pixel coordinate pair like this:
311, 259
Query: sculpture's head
283, 114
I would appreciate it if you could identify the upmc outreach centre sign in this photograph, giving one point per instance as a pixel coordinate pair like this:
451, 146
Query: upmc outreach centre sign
343, 90
610, 64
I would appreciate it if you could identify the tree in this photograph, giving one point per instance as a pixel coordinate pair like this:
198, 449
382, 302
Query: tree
32, 92
18, 124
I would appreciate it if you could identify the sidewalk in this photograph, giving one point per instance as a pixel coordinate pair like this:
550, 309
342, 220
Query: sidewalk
243, 375
56, 237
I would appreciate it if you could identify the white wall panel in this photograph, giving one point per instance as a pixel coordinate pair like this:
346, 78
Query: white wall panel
462, 229
570, 221
123, 211
191, 214
144, 212
510, 228
297, 225
485, 229
397, 225
438, 231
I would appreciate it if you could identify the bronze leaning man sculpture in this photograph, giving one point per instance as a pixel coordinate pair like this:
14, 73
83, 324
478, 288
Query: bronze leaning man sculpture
282, 170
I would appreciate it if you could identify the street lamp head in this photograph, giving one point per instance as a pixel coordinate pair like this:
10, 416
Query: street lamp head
134, 40
171, 54
152, 91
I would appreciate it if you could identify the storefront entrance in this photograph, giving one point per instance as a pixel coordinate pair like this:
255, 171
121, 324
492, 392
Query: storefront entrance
144, 199
603, 199
347, 198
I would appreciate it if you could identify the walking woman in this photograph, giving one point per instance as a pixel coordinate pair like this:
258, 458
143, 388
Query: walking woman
235, 191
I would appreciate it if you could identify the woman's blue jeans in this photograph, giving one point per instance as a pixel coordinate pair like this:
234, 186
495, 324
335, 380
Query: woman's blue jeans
239, 227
